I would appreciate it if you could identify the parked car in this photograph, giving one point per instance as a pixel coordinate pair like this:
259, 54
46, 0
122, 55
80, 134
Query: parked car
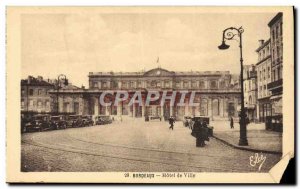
58, 122
74, 121
103, 120
87, 120
38, 123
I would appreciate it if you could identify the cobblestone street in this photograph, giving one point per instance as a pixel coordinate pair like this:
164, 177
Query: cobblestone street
132, 146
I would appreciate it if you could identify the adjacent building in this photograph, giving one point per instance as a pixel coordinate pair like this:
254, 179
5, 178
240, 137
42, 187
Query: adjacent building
263, 70
250, 91
35, 95
276, 46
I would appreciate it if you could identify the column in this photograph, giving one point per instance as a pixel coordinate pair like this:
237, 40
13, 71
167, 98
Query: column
225, 107
209, 104
106, 110
171, 110
236, 106
119, 109
143, 105
221, 104
186, 107
162, 112
133, 110
96, 106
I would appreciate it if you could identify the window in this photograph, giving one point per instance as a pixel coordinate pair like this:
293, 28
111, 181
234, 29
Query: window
31, 103
131, 84
276, 32
115, 84
95, 85
139, 84
39, 91
250, 100
104, 84
278, 52
260, 76
194, 84
177, 83
30, 92
273, 35
158, 84
22, 102
40, 104
124, 84
222, 84
47, 104
202, 84
153, 83
213, 84
22, 92
264, 74
185, 84
167, 84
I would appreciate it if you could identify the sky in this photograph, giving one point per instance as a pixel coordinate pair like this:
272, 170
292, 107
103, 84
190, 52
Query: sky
76, 44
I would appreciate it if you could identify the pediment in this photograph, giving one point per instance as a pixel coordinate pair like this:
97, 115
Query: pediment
158, 72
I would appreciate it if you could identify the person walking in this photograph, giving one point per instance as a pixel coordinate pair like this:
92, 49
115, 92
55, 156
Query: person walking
171, 122
231, 123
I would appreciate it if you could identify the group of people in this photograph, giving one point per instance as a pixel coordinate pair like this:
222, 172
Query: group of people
200, 132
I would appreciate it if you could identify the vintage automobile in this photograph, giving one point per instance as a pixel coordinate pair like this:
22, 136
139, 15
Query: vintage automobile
102, 120
74, 121
38, 123
202, 120
187, 121
87, 120
58, 122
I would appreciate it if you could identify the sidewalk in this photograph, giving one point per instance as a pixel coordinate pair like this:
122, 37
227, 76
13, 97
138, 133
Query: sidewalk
259, 139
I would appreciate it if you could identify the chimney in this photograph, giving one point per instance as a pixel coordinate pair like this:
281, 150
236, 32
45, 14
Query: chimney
40, 78
29, 79
261, 42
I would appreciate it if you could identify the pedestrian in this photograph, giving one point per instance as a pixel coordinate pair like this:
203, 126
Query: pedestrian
231, 123
171, 122
196, 132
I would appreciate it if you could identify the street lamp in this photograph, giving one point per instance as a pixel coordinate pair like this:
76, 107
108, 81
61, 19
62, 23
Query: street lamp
60, 77
229, 34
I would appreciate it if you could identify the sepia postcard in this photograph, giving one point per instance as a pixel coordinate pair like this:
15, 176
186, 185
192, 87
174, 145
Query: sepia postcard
149, 94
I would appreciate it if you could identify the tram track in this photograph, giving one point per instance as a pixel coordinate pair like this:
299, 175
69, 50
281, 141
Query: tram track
170, 162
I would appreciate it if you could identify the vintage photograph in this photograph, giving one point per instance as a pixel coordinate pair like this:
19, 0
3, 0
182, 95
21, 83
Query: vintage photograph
152, 93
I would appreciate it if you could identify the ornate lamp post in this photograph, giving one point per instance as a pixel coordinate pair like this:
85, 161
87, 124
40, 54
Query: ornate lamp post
60, 77
229, 34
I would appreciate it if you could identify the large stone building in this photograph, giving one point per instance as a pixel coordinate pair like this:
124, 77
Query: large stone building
263, 68
217, 93
250, 91
276, 47
35, 95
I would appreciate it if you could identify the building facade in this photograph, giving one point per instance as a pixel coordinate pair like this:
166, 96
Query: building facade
35, 95
216, 92
250, 91
263, 69
276, 45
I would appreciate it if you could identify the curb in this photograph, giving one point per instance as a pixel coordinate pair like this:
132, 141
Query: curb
246, 148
